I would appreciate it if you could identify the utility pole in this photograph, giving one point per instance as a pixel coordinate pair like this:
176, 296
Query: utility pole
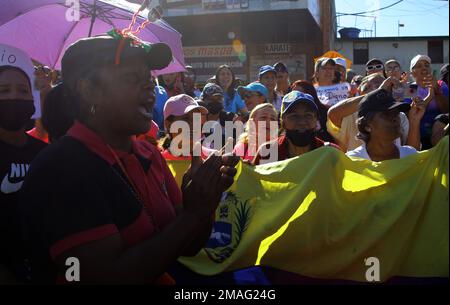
375, 22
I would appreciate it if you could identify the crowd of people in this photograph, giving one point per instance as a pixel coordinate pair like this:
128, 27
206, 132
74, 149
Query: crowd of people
99, 188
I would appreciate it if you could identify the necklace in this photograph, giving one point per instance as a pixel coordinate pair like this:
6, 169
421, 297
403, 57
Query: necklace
132, 187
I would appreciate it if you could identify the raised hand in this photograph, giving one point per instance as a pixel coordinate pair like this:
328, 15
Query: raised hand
418, 108
205, 181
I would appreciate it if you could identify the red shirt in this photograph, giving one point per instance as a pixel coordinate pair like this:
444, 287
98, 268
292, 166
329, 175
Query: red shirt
76, 193
157, 187
34, 133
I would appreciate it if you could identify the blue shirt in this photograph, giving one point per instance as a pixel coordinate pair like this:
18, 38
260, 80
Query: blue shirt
158, 109
233, 105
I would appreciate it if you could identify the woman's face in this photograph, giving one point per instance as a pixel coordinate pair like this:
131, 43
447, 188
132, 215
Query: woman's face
421, 70
252, 99
385, 125
394, 70
16, 100
300, 117
325, 75
189, 119
282, 78
375, 68
14, 86
225, 78
124, 98
266, 115
269, 80
169, 79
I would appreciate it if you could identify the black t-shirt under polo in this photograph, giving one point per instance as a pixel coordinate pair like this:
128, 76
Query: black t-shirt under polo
14, 164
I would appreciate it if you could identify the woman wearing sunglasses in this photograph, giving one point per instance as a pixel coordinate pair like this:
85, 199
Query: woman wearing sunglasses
253, 94
375, 65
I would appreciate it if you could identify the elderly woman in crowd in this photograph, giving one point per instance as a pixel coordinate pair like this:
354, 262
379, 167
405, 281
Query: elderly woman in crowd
379, 126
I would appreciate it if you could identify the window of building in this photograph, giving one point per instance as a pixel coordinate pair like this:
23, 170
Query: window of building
436, 51
360, 53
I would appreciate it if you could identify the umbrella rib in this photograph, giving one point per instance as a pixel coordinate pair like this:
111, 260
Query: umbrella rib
108, 8
122, 9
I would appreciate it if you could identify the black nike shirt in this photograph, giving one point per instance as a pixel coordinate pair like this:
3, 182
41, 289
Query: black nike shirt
14, 164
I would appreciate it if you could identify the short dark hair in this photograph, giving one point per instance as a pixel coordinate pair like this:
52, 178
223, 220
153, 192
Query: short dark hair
58, 113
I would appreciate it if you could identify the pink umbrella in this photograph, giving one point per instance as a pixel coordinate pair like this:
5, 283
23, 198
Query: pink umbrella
45, 28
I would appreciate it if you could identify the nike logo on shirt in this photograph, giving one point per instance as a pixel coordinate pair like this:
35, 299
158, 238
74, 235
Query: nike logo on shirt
12, 182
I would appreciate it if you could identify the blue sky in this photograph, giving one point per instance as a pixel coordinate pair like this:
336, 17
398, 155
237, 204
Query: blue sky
420, 17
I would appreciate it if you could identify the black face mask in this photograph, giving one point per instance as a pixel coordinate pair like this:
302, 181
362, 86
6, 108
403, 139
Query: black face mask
15, 114
301, 138
214, 107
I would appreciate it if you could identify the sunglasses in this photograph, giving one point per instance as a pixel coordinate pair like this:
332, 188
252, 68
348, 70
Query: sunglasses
375, 67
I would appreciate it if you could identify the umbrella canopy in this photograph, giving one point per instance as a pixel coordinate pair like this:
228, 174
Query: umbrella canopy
45, 28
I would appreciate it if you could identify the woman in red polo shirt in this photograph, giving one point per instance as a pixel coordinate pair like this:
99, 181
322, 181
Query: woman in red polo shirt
101, 197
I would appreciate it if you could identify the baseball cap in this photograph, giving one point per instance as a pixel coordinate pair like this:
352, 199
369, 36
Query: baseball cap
87, 54
392, 61
280, 67
374, 61
416, 59
323, 61
340, 62
295, 97
265, 69
211, 89
380, 100
254, 87
181, 104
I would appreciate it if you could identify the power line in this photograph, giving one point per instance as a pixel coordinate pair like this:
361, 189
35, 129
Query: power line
367, 12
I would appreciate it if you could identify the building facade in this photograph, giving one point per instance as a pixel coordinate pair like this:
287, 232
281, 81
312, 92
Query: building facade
402, 49
247, 34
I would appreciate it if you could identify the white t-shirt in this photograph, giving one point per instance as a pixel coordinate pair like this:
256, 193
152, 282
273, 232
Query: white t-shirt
361, 151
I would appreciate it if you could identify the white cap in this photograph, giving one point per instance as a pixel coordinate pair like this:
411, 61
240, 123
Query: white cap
341, 62
416, 59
